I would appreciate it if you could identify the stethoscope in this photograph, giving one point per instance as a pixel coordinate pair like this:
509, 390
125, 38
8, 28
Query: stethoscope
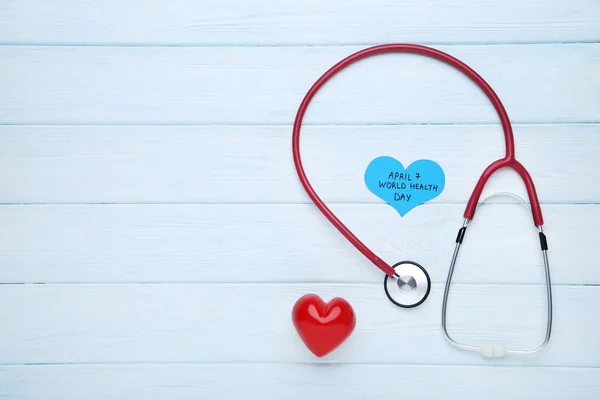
413, 283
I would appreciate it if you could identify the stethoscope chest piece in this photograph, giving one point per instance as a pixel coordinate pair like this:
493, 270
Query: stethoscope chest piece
409, 287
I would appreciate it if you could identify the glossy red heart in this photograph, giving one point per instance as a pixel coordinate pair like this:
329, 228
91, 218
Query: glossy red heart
323, 326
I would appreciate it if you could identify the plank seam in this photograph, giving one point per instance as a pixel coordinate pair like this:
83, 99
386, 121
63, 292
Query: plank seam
278, 283
320, 124
334, 363
266, 203
289, 45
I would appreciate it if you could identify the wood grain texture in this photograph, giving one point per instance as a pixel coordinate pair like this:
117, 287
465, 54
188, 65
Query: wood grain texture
175, 323
226, 22
239, 85
295, 381
253, 164
178, 115
288, 243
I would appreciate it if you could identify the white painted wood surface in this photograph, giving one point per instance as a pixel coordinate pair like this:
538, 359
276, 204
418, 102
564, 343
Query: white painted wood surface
154, 235
234, 164
295, 381
269, 22
223, 85
174, 323
287, 243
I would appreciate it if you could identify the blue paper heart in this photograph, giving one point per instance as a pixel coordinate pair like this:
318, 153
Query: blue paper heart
404, 189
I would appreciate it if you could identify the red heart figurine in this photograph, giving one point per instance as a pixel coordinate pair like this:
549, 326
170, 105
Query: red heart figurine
323, 326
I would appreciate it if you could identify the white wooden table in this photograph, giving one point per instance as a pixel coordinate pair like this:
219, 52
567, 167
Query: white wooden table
154, 235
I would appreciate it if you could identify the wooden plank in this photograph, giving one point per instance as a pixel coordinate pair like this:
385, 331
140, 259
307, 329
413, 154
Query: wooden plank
287, 243
251, 323
242, 85
241, 164
295, 381
227, 22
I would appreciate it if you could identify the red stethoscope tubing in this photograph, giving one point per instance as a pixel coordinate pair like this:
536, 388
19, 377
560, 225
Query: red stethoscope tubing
509, 159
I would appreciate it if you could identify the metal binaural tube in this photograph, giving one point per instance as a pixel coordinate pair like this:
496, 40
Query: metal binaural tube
498, 351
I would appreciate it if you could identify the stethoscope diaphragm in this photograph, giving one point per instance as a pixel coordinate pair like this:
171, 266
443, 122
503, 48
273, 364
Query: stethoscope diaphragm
409, 287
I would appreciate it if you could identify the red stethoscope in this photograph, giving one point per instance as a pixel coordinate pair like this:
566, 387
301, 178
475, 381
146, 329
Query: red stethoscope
411, 277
